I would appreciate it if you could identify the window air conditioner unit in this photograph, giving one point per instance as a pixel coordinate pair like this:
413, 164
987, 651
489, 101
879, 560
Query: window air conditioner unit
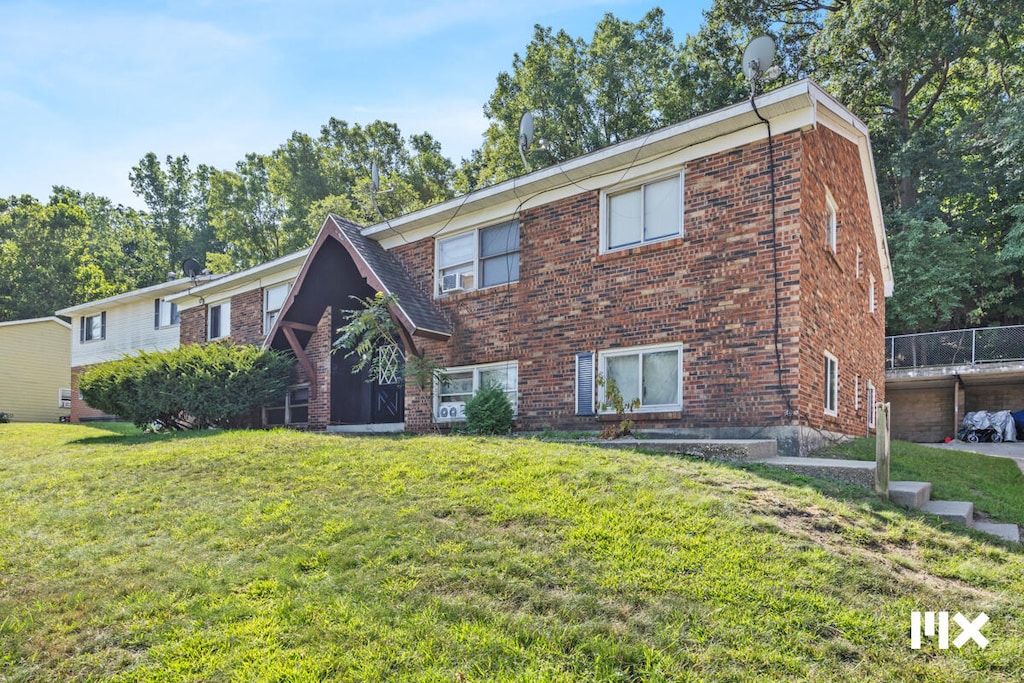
451, 411
65, 403
451, 283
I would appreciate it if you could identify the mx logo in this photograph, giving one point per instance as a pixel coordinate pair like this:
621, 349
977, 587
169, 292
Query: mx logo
969, 630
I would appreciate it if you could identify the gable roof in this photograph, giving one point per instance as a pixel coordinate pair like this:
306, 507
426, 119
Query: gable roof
380, 270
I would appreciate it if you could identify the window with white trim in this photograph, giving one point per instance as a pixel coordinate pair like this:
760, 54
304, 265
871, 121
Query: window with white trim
831, 221
858, 267
294, 410
273, 301
165, 314
218, 321
463, 382
645, 213
831, 385
481, 258
872, 301
92, 327
64, 398
872, 397
856, 392
652, 374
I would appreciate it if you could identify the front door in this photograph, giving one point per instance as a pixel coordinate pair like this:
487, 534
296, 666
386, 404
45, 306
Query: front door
388, 392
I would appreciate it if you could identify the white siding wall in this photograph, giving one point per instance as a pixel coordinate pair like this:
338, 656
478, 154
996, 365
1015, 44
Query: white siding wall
129, 330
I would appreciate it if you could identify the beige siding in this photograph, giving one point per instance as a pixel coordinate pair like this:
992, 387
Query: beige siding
129, 330
34, 366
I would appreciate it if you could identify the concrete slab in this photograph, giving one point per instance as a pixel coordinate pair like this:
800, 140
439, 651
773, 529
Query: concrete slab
958, 512
859, 472
735, 450
910, 494
1007, 532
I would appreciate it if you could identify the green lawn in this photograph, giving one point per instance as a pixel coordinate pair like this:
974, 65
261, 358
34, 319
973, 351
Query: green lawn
278, 556
994, 485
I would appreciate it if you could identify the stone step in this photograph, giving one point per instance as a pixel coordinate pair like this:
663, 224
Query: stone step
1007, 532
910, 494
860, 472
958, 512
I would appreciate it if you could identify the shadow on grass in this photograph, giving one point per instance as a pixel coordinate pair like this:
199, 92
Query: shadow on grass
126, 434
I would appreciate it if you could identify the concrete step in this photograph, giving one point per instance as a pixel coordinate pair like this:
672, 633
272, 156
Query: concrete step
1007, 532
958, 512
860, 472
910, 494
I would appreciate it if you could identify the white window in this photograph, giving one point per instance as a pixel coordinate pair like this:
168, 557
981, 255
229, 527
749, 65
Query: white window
92, 327
872, 301
218, 324
652, 374
477, 259
273, 301
871, 404
463, 382
64, 398
856, 392
831, 221
165, 314
295, 409
858, 268
642, 214
831, 384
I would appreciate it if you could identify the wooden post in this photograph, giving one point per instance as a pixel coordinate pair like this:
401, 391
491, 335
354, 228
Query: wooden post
882, 448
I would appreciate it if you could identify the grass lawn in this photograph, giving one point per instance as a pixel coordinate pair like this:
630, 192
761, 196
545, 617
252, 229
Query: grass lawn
279, 556
995, 485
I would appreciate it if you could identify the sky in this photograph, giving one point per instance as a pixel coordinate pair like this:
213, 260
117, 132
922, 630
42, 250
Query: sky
88, 88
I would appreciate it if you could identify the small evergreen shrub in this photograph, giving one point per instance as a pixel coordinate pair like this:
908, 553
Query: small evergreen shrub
191, 387
489, 411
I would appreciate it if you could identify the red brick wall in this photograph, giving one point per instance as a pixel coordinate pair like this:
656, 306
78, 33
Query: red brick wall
834, 301
319, 351
247, 317
711, 290
192, 329
80, 410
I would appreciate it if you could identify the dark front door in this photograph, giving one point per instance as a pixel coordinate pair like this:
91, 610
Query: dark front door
388, 392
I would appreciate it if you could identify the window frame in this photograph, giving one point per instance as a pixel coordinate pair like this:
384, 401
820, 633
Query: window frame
605, 219
223, 321
476, 264
86, 332
831, 222
477, 384
872, 398
289, 405
267, 311
831, 397
639, 351
63, 402
872, 297
165, 314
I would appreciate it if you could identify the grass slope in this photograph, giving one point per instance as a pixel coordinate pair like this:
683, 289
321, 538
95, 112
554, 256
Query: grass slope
279, 556
994, 485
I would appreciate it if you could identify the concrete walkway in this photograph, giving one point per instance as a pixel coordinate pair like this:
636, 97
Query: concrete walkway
1008, 449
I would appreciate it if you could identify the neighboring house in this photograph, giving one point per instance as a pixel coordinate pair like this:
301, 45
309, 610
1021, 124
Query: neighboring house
35, 384
108, 329
660, 262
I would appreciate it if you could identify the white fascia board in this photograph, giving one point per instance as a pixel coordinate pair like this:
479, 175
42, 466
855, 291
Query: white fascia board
151, 292
264, 275
29, 321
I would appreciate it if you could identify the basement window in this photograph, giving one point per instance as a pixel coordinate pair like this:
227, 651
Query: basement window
450, 397
652, 374
294, 410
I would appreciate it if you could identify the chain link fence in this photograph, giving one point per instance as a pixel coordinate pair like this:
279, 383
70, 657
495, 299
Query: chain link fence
955, 347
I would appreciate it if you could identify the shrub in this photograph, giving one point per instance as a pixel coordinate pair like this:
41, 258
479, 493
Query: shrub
191, 387
489, 411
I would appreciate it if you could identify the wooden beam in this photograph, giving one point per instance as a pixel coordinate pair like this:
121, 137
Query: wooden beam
300, 354
298, 326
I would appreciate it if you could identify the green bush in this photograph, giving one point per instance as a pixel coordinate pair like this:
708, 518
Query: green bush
192, 387
489, 411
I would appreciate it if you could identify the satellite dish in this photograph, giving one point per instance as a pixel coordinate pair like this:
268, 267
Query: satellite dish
374, 176
525, 136
758, 57
191, 268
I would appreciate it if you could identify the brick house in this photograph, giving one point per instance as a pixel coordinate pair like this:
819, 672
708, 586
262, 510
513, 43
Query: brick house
665, 262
